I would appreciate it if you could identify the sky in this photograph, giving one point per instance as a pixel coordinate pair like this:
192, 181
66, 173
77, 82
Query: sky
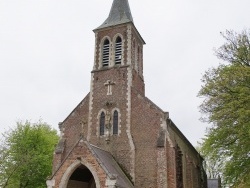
47, 54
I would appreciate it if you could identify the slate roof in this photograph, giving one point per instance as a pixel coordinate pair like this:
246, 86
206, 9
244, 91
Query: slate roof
120, 13
111, 167
213, 183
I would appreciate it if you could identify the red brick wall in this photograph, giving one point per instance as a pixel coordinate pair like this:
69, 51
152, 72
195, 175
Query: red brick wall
72, 125
118, 144
78, 152
137, 53
191, 159
171, 167
145, 124
138, 83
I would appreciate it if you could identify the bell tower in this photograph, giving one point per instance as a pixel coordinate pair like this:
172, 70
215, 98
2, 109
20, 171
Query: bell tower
117, 70
117, 41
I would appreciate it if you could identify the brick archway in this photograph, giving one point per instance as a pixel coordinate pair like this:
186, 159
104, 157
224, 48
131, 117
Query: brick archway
81, 177
80, 174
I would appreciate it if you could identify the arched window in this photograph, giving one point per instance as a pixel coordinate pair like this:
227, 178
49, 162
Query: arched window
105, 53
179, 167
118, 51
102, 123
115, 122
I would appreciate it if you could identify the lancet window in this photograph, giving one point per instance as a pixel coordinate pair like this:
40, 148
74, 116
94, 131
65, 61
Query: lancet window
102, 123
115, 122
179, 167
105, 53
118, 50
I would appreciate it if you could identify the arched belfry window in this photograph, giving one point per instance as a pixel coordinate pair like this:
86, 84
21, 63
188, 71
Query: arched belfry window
118, 50
102, 123
105, 53
115, 122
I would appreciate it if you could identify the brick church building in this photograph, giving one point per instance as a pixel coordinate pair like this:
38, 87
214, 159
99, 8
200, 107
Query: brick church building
116, 137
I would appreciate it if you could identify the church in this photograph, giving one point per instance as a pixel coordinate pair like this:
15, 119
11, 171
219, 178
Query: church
116, 137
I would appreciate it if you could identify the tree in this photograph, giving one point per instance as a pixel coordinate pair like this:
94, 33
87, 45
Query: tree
26, 154
226, 105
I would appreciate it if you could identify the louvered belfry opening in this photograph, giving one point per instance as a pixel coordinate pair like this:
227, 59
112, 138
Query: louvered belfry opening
105, 53
118, 51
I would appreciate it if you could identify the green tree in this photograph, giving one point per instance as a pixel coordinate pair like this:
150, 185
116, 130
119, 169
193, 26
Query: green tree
26, 154
226, 105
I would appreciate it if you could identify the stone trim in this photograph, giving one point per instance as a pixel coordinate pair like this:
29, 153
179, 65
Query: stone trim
71, 169
95, 51
111, 183
101, 50
90, 106
128, 125
98, 124
50, 183
108, 68
113, 49
119, 120
128, 120
161, 141
140, 60
162, 168
129, 43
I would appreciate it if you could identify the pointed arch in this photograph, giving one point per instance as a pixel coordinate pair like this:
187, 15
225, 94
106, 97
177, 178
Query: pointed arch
71, 169
102, 123
118, 50
115, 122
179, 166
105, 53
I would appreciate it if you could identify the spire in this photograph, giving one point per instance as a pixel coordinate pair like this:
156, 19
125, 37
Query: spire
120, 13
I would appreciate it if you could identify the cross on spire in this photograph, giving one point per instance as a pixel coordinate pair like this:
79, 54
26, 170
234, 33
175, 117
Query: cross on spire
109, 84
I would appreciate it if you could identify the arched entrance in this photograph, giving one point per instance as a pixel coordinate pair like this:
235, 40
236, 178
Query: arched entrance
81, 178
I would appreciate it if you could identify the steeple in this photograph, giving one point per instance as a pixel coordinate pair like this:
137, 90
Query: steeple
120, 13
119, 45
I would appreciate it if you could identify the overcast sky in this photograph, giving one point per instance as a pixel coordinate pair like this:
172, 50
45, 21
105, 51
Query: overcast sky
47, 54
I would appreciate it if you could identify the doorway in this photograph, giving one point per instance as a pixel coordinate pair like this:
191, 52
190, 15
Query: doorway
81, 178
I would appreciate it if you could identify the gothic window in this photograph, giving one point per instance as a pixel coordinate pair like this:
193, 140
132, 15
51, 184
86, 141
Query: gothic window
115, 122
118, 51
105, 53
102, 123
179, 166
